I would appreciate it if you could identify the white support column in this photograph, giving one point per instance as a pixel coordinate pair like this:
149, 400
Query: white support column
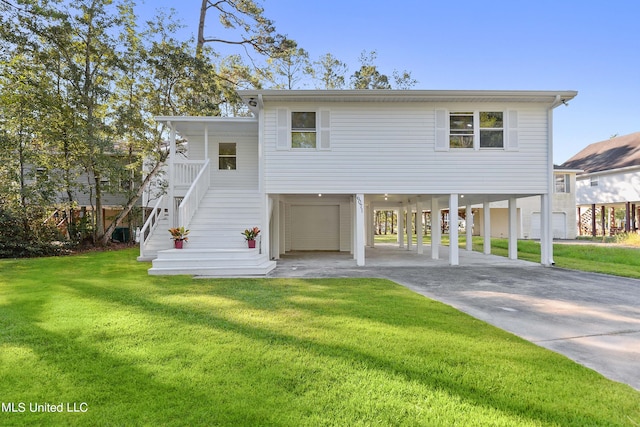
419, 227
275, 228
436, 234
486, 227
206, 142
454, 251
469, 228
172, 177
409, 226
546, 233
513, 228
265, 242
370, 228
360, 242
401, 226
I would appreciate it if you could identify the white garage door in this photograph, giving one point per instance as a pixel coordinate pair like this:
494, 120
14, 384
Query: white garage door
559, 223
315, 228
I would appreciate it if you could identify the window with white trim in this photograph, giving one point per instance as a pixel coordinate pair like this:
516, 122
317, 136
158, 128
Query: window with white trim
562, 183
227, 157
479, 129
303, 130
594, 181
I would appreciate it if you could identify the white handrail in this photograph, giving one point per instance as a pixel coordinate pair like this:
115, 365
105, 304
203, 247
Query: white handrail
191, 200
150, 224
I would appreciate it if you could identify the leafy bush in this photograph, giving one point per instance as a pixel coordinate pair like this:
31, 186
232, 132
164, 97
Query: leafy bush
25, 233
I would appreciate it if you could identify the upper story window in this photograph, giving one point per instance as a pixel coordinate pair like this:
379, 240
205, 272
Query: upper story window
484, 129
594, 181
562, 183
303, 130
227, 158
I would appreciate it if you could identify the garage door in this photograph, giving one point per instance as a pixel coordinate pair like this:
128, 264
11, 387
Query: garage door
559, 223
315, 228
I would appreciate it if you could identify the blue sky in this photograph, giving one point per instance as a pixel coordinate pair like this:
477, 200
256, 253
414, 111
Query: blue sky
591, 47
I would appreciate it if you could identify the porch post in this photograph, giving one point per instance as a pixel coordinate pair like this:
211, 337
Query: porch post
513, 228
419, 228
469, 227
265, 240
172, 176
486, 226
401, 226
454, 256
546, 236
409, 226
370, 229
359, 223
275, 228
436, 232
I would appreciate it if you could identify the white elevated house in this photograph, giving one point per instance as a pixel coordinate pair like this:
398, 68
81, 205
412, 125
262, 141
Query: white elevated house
608, 187
311, 166
563, 218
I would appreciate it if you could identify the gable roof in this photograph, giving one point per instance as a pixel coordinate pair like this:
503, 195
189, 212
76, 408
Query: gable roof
614, 153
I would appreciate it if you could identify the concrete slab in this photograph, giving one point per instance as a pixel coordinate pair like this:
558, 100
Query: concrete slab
593, 319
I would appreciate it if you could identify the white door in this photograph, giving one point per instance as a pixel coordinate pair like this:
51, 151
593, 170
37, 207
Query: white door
315, 228
558, 222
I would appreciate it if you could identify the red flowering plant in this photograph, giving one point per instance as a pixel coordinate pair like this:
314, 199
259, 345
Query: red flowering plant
251, 233
179, 233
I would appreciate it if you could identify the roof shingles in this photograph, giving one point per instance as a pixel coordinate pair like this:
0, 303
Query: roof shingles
614, 153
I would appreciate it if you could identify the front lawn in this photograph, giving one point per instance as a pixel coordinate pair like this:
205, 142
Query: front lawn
95, 329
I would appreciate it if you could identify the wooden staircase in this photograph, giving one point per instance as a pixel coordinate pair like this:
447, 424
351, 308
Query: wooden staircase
216, 247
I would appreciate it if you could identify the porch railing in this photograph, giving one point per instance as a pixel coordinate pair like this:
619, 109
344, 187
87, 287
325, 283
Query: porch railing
150, 224
186, 171
198, 189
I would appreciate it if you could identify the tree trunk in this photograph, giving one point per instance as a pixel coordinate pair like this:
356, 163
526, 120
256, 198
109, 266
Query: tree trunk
130, 203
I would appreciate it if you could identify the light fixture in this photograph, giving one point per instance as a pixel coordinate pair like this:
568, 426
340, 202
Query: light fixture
319, 194
252, 102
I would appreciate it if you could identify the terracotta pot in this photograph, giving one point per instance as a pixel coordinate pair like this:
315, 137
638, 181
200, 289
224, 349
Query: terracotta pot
252, 244
178, 244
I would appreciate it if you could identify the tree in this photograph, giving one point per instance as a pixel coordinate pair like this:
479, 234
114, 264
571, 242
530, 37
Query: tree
330, 71
368, 76
254, 31
288, 67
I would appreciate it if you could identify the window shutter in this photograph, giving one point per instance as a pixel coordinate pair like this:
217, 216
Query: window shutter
442, 140
325, 130
512, 131
283, 134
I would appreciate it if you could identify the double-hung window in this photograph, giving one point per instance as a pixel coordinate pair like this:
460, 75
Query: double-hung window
303, 130
227, 158
483, 129
562, 183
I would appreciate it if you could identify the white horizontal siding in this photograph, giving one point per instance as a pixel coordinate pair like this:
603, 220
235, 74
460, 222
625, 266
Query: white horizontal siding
245, 177
391, 148
611, 188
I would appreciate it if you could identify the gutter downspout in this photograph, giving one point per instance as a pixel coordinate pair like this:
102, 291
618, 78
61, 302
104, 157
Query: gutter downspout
547, 246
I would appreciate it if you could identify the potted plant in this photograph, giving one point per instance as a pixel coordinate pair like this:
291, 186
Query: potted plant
250, 235
179, 236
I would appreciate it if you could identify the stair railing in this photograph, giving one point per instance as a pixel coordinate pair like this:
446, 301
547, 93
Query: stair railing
150, 224
191, 201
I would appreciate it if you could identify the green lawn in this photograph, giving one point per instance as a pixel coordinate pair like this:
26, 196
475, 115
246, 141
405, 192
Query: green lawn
596, 258
147, 350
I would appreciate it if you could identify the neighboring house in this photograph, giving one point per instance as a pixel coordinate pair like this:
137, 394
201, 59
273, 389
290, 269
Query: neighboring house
563, 202
311, 167
608, 189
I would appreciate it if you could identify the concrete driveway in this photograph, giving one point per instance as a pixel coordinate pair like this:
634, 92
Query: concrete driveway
593, 319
